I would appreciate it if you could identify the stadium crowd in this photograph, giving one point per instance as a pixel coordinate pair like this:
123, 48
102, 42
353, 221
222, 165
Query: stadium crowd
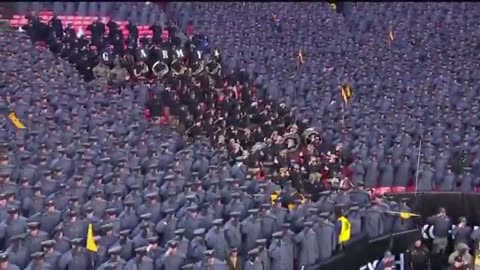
197, 158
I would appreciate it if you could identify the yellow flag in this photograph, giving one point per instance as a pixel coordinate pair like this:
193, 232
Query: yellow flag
91, 245
346, 93
13, 117
407, 215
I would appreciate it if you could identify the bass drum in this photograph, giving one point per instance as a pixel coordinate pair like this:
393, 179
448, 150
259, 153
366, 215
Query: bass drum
311, 135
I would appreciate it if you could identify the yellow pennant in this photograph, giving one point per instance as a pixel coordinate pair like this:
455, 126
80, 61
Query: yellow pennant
403, 214
407, 215
346, 93
15, 121
91, 244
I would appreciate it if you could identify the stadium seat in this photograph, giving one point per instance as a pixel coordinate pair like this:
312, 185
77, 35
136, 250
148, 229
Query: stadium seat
45, 13
14, 22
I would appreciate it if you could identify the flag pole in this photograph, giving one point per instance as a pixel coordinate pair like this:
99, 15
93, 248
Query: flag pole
417, 173
343, 123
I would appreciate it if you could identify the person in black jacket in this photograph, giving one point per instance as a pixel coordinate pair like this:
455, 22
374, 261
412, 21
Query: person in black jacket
441, 227
418, 256
97, 29
57, 27
132, 31
156, 33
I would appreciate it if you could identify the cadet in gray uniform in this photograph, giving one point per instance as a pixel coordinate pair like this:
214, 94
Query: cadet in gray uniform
62, 244
35, 237
215, 239
51, 256
18, 252
76, 258
373, 220
114, 257
141, 261
326, 237
263, 253
172, 259
5, 264
233, 233
14, 225
126, 244
38, 262
197, 246
167, 226
50, 218
253, 262
281, 253
211, 262
307, 242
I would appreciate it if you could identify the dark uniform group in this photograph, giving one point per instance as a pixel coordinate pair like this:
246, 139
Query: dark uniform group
110, 57
158, 199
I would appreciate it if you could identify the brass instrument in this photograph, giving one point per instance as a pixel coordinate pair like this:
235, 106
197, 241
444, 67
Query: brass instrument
213, 68
178, 72
311, 135
140, 73
198, 70
128, 60
293, 128
160, 69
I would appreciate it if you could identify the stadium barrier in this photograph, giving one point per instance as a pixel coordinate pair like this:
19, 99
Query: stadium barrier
364, 254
